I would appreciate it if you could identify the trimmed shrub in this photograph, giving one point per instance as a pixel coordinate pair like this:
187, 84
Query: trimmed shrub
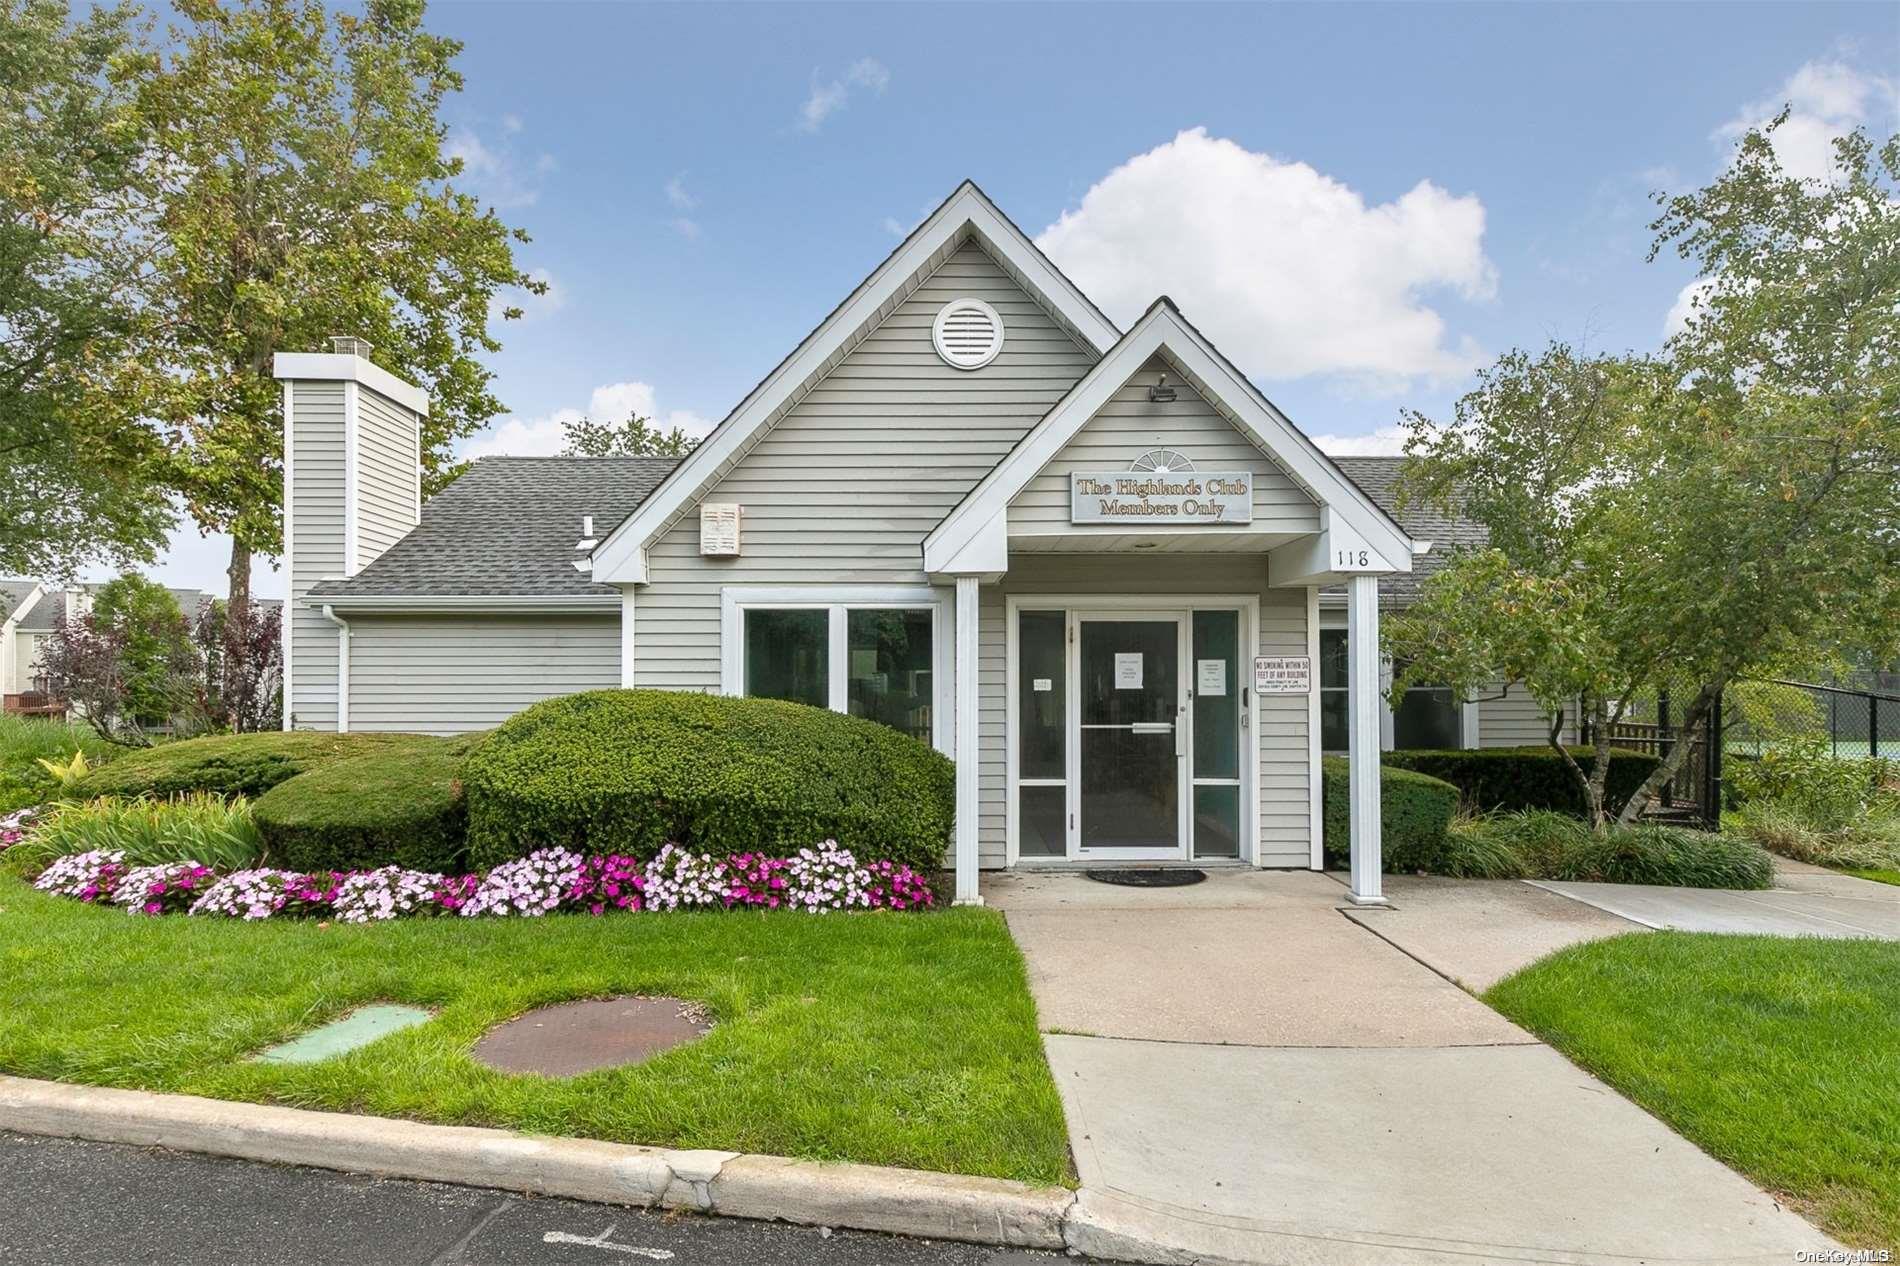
401, 805
1415, 812
233, 764
1515, 779
627, 771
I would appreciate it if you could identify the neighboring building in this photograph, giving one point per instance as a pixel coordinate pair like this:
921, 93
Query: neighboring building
1097, 567
24, 626
31, 610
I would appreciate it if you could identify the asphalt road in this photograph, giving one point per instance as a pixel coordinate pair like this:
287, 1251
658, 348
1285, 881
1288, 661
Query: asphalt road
75, 1203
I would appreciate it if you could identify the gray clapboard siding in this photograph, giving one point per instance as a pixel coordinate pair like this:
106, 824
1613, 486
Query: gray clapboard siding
1130, 425
1280, 721
388, 474
1515, 720
316, 515
451, 674
846, 485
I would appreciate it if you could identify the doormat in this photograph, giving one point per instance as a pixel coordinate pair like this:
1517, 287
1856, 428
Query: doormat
1171, 878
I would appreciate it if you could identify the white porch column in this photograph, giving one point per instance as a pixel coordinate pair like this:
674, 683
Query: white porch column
1362, 694
966, 731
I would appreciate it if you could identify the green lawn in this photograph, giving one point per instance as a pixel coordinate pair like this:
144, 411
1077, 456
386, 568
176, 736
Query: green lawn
892, 1039
1879, 876
1778, 1056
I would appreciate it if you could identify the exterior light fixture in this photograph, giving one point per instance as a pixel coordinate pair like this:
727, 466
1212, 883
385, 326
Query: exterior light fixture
1161, 392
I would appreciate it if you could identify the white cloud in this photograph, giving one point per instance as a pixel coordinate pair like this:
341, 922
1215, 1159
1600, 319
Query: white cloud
894, 226
828, 96
682, 200
1825, 99
1386, 441
545, 435
1685, 306
868, 72
497, 172
1288, 270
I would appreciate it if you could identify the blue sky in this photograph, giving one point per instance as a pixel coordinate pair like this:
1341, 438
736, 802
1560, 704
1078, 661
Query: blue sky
1360, 203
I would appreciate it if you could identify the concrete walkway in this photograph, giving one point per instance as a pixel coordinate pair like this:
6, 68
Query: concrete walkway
1477, 932
1251, 1076
1257, 958
1805, 901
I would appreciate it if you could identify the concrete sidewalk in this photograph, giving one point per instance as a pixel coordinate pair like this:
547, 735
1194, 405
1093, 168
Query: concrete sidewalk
1808, 902
1478, 931
1274, 1083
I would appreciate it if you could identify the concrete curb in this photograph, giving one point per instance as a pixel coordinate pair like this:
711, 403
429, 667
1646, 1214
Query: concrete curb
773, 1188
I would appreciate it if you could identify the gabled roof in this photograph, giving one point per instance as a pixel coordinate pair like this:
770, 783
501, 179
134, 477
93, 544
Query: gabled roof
1162, 330
507, 528
1446, 531
12, 594
967, 213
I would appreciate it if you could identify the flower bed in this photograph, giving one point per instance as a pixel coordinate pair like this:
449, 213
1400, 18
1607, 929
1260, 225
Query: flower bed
15, 825
550, 880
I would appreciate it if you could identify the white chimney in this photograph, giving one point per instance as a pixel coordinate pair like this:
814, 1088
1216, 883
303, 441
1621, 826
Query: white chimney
352, 488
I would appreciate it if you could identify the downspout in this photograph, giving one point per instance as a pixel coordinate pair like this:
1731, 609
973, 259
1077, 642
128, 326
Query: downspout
342, 668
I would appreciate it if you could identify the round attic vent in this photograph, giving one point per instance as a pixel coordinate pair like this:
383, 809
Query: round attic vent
967, 333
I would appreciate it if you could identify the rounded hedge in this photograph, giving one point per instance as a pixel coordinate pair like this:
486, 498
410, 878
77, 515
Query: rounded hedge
233, 764
1415, 813
629, 770
401, 805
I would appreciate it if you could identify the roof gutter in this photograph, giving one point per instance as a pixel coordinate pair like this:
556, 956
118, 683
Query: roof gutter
554, 604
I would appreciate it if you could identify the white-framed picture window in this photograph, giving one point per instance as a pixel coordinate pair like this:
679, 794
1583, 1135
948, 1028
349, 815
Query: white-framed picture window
882, 653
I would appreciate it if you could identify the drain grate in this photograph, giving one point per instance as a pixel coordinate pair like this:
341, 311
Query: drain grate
1170, 878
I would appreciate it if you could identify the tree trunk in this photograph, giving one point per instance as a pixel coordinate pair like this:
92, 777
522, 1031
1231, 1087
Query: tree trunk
237, 612
1678, 752
1590, 783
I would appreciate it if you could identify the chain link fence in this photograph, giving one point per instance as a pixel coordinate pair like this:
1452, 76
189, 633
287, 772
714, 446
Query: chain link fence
1855, 719
1848, 721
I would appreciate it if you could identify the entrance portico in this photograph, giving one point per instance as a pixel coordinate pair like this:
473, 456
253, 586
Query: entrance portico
1137, 626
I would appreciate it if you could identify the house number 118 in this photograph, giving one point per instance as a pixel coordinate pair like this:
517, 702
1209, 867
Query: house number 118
1354, 558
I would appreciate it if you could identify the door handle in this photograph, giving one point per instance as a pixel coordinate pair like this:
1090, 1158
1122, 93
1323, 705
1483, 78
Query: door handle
1152, 727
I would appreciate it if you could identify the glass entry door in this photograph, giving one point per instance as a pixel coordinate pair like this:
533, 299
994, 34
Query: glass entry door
1131, 743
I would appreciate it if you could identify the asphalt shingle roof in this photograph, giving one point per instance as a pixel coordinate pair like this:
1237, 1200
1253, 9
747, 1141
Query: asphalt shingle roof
12, 594
508, 527
1378, 477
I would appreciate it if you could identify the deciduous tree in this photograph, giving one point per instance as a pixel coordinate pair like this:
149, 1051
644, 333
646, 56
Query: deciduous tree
303, 190
1714, 513
635, 437
77, 465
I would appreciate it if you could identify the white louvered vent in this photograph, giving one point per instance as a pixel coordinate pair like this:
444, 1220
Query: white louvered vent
967, 333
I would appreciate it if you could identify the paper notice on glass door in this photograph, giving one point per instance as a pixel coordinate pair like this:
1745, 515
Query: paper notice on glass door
1210, 678
1128, 670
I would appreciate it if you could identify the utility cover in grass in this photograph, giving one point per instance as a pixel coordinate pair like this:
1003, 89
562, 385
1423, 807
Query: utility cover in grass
578, 1037
345, 1033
